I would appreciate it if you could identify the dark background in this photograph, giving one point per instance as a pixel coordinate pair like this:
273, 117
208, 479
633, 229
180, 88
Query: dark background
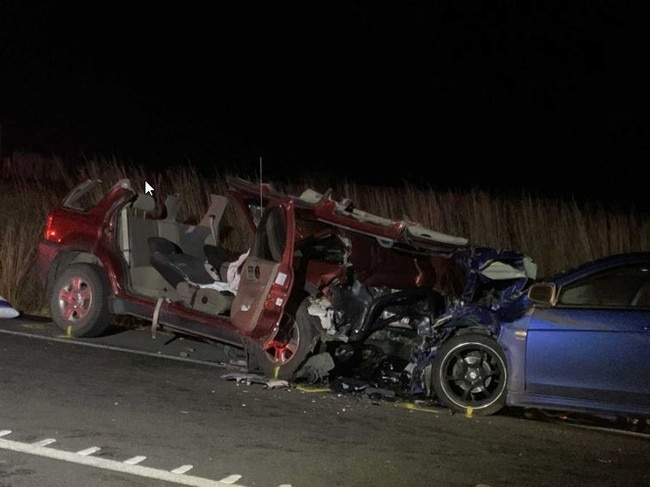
543, 96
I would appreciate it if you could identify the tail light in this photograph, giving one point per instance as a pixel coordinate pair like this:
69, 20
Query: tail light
50, 233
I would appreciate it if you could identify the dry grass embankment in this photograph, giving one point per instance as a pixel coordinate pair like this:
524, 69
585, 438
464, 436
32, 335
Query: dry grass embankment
557, 234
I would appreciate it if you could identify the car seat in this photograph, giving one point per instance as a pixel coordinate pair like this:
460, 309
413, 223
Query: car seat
175, 265
196, 281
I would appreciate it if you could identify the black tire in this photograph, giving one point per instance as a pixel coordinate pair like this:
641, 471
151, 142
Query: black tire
470, 374
283, 356
78, 303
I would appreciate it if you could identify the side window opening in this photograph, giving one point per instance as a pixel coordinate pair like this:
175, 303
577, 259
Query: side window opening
271, 235
86, 196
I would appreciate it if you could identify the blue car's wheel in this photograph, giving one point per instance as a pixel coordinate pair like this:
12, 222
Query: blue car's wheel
470, 374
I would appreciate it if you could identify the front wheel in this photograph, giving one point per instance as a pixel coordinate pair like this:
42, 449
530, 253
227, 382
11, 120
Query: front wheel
470, 375
78, 303
283, 356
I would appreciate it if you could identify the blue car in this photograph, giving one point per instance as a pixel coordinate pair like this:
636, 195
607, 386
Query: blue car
576, 342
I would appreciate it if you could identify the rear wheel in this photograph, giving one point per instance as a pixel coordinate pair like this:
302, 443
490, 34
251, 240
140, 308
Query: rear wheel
78, 303
283, 356
470, 374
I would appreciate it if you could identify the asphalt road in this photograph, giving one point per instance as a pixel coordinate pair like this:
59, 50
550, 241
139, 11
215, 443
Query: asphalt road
90, 412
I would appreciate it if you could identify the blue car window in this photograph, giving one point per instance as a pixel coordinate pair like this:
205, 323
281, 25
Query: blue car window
622, 287
581, 294
642, 298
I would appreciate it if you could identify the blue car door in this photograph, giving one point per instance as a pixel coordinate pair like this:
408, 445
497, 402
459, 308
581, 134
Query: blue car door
593, 346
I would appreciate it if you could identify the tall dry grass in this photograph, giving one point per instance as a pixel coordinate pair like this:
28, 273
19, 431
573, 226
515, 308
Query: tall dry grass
556, 233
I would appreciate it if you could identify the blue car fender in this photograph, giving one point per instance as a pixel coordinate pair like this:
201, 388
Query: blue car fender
512, 338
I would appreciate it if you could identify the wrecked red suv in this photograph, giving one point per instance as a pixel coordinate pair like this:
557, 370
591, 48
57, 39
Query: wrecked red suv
318, 275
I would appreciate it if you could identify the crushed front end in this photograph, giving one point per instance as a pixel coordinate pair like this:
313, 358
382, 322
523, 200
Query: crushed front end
496, 282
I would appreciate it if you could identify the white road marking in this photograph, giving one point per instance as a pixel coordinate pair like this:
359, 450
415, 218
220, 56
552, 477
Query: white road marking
128, 466
609, 430
135, 460
45, 442
89, 451
114, 348
72, 457
230, 479
183, 469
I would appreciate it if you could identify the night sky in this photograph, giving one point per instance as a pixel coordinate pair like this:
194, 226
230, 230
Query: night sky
544, 95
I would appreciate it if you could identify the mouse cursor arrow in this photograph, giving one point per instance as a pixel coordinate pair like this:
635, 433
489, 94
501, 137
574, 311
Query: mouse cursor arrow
148, 189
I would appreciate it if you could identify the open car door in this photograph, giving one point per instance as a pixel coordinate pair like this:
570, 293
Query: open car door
267, 274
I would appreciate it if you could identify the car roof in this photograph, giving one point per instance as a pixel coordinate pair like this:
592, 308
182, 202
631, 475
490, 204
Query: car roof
344, 214
600, 264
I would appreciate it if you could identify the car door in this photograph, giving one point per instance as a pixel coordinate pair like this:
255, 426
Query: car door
267, 273
594, 344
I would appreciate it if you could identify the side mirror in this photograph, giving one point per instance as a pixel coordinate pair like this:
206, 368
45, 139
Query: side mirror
543, 293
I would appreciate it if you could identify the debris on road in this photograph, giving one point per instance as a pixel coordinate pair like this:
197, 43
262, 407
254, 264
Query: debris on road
249, 379
6, 310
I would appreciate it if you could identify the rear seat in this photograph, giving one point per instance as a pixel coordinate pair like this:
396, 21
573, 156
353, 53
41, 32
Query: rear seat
190, 238
135, 231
